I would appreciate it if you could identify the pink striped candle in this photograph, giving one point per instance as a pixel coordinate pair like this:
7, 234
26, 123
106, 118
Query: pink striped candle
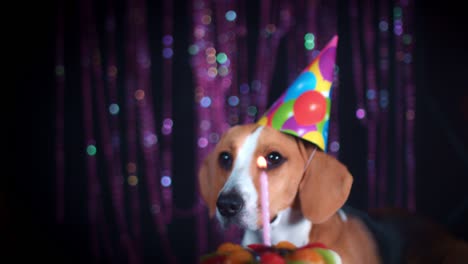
262, 164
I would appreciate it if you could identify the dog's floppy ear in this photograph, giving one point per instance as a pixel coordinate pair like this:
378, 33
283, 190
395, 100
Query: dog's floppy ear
206, 183
324, 188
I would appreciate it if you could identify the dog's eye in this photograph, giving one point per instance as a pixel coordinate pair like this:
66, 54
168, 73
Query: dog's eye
274, 159
225, 160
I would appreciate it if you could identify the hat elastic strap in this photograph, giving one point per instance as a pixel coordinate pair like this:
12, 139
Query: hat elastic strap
309, 160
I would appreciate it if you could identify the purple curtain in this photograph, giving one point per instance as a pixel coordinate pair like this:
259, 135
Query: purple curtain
158, 83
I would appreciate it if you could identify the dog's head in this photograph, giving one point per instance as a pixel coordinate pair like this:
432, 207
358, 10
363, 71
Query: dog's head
229, 177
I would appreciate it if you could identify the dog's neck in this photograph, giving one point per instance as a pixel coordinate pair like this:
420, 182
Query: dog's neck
290, 225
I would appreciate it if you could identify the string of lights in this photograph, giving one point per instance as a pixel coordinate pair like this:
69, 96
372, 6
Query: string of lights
406, 66
383, 74
373, 98
94, 187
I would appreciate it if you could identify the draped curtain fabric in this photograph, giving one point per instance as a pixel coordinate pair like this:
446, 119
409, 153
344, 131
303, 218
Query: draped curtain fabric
144, 90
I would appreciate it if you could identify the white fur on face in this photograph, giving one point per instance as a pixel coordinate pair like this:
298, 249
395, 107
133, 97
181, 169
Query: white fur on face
290, 225
241, 181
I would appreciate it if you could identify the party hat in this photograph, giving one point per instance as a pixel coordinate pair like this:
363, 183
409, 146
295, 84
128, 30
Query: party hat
303, 110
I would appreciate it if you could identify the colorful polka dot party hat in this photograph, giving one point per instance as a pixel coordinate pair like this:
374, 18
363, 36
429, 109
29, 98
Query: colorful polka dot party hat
303, 110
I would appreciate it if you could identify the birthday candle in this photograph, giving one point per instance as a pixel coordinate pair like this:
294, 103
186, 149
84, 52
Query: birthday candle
262, 164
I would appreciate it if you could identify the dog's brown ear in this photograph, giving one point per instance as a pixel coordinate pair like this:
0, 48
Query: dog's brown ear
325, 187
206, 183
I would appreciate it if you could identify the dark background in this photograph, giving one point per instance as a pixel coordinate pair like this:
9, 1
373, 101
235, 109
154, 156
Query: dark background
26, 201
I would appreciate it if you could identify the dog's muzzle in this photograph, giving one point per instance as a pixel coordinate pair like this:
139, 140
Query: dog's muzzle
229, 204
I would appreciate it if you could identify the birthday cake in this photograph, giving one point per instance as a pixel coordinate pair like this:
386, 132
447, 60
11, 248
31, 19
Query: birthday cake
282, 253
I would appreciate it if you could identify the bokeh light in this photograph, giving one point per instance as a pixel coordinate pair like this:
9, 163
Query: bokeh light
166, 181
398, 27
202, 142
221, 57
210, 51
384, 99
252, 110
199, 32
205, 102
371, 94
114, 109
231, 15
335, 146
139, 94
214, 138
167, 53
193, 49
131, 167
112, 71
212, 72
315, 53
167, 40
206, 19
270, 28
91, 150
407, 39
233, 100
132, 180
205, 125
211, 59
309, 41
407, 58
167, 126
244, 88
383, 26
256, 85
397, 12
150, 139
226, 82
360, 113
223, 70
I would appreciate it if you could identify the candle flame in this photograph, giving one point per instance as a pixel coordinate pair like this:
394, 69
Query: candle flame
261, 162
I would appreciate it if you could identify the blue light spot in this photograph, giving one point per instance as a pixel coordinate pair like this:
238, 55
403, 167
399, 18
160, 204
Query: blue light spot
114, 109
233, 100
205, 101
230, 15
166, 181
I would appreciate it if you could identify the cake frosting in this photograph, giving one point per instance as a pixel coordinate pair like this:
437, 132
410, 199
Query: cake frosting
283, 252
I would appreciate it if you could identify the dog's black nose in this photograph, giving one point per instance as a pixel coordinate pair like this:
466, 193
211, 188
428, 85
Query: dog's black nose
229, 204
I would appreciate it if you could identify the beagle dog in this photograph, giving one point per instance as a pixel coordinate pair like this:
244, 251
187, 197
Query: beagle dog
308, 190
